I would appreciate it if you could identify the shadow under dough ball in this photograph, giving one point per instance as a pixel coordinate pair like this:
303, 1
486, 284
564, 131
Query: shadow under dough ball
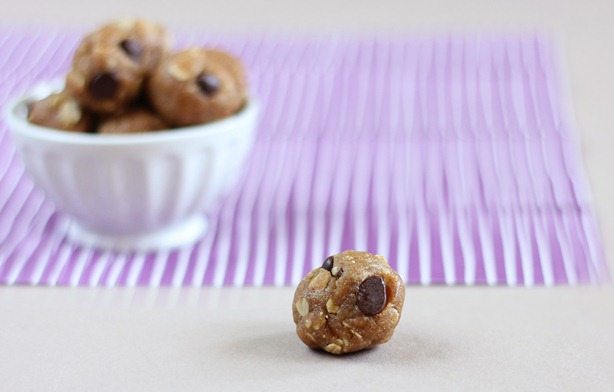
196, 86
110, 64
350, 303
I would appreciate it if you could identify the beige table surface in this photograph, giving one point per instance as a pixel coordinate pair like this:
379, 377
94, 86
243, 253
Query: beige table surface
231, 339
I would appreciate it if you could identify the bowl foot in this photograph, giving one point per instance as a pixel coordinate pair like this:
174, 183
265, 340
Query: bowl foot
180, 234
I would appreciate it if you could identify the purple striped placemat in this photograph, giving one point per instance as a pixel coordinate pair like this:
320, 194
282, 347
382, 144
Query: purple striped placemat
453, 156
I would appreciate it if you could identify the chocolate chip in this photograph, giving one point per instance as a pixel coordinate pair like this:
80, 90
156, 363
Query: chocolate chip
104, 86
371, 295
328, 263
132, 48
208, 84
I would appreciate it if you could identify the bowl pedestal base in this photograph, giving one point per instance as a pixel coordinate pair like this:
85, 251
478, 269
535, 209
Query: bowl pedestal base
180, 234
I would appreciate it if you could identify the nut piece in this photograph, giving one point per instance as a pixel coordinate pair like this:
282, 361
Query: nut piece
335, 271
178, 72
352, 331
333, 348
331, 307
394, 316
60, 111
302, 307
69, 113
320, 280
319, 321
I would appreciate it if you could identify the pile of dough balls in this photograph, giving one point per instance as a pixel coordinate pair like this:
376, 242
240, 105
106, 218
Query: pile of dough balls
125, 79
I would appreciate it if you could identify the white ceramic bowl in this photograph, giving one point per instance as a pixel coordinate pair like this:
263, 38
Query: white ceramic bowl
137, 191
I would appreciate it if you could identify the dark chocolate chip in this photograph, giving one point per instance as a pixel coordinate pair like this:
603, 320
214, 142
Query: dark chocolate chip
371, 295
104, 85
132, 48
328, 263
208, 83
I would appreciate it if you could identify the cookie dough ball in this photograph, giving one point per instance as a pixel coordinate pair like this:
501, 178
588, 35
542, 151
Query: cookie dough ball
144, 42
60, 111
133, 121
110, 64
196, 86
350, 303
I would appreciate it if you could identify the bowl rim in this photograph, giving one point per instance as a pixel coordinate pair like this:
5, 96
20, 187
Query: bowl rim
18, 124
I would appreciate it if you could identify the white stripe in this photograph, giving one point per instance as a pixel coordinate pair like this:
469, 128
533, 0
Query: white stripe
9, 54
467, 247
488, 253
84, 256
10, 160
588, 230
263, 209
567, 253
224, 242
280, 206
21, 201
509, 248
424, 245
360, 192
28, 232
322, 188
444, 215
159, 264
228, 216
245, 204
9, 188
183, 260
571, 223
307, 106
99, 268
381, 185
17, 61
543, 249
281, 250
245, 207
202, 255
340, 197
402, 201
447, 250
20, 259
456, 200
136, 267
300, 249
526, 252
574, 222
116, 268
261, 247
283, 105
61, 259
51, 246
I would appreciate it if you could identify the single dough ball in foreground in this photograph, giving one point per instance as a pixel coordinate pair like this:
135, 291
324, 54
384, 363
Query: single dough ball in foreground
60, 111
350, 303
196, 86
110, 64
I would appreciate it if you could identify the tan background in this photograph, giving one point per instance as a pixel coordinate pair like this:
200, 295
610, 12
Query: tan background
229, 339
